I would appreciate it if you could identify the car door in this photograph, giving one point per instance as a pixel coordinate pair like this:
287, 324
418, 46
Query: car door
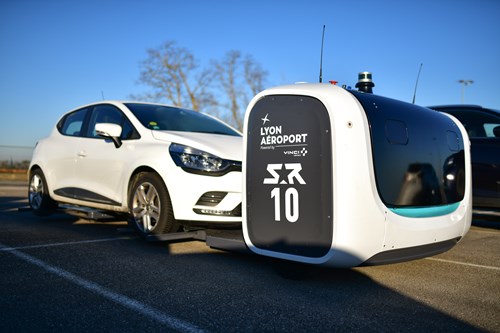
100, 166
61, 157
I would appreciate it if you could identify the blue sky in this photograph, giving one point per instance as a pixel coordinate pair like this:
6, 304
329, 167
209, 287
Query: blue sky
58, 55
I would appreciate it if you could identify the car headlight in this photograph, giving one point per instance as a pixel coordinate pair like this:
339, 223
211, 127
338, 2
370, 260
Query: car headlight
200, 162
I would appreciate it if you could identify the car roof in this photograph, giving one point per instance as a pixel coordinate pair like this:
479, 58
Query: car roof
123, 102
450, 107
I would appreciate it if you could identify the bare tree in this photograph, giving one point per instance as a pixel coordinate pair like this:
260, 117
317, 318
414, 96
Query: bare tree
240, 78
255, 75
174, 75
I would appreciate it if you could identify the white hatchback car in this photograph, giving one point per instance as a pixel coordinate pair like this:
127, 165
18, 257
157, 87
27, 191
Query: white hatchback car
163, 166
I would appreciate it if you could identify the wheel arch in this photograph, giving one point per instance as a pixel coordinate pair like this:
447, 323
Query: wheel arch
131, 183
33, 168
137, 171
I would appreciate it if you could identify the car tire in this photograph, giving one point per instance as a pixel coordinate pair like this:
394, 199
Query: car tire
150, 207
40, 202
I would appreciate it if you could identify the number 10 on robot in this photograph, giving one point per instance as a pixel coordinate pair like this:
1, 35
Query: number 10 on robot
285, 174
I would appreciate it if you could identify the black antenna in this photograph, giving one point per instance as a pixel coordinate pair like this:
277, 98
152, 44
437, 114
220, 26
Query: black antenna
102, 94
321, 58
416, 84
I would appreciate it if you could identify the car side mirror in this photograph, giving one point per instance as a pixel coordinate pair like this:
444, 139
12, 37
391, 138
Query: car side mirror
496, 131
110, 131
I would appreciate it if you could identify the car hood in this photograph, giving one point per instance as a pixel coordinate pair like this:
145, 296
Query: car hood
224, 146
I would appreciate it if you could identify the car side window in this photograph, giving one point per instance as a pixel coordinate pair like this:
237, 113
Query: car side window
128, 130
103, 114
106, 113
477, 124
72, 123
492, 129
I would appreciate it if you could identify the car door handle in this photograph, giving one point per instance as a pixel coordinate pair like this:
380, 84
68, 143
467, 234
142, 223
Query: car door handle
82, 154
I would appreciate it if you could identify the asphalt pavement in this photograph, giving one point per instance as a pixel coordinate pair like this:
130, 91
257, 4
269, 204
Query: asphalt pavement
65, 273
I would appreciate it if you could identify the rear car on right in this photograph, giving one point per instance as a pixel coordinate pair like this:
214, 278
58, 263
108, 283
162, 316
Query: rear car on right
483, 127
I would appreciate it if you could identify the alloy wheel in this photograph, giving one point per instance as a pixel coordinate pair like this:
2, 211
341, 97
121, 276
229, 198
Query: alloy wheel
146, 207
36, 192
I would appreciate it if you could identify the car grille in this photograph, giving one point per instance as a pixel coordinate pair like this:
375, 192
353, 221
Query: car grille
211, 199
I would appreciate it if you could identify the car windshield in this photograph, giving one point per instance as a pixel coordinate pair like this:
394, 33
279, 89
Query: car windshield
165, 118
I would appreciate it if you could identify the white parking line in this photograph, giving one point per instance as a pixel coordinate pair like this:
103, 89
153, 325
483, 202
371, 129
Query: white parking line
171, 322
465, 264
64, 243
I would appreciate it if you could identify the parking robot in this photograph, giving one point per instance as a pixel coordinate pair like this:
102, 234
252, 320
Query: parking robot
345, 178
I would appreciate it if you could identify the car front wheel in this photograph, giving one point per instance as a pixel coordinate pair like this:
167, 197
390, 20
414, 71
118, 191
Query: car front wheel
150, 207
38, 194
